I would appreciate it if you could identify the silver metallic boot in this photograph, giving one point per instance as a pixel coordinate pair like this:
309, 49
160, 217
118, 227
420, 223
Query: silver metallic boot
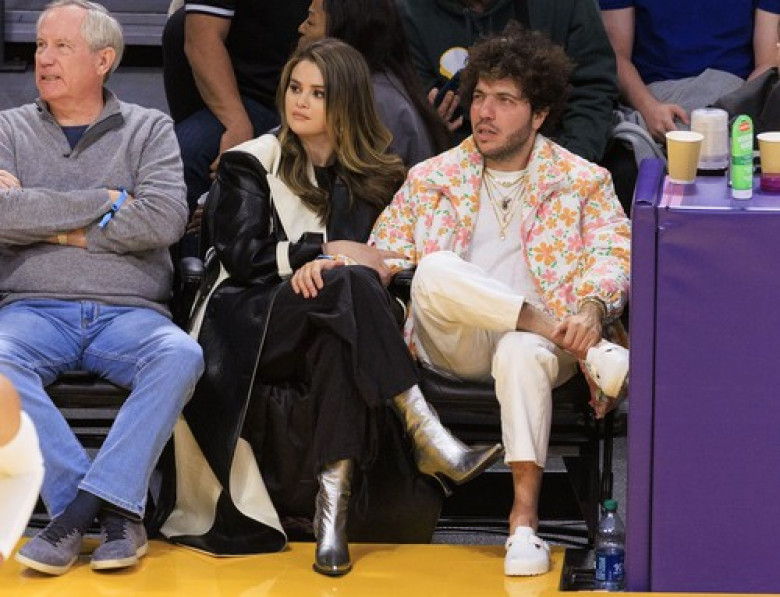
436, 451
331, 556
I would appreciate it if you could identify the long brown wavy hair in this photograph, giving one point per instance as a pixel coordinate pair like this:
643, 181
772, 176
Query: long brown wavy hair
359, 138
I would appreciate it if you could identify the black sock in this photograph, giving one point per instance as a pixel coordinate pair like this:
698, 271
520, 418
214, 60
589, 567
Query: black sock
109, 509
78, 515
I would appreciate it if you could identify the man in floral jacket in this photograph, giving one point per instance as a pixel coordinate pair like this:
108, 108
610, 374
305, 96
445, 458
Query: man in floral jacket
522, 254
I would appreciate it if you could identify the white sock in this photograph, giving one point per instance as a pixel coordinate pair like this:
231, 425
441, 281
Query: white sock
21, 475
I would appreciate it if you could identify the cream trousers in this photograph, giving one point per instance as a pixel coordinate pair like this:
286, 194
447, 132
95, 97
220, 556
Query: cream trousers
464, 325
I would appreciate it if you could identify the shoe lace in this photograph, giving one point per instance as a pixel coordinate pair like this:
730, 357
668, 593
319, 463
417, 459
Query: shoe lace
55, 532
114, 527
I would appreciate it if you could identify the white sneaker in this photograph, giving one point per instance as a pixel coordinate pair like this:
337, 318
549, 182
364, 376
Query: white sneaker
607, 364
526, 554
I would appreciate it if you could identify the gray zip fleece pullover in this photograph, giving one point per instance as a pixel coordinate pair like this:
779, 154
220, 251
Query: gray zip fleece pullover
127, 262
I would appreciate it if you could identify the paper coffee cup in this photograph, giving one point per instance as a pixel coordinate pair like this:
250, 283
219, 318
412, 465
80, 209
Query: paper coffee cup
682, 150
769, 147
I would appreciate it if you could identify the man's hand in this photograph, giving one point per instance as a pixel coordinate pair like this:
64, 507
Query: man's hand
9, 181
446, 108
364, 255
307, 279
193, 226
235, 134
660, 118
73, 238
579, 332
114, 194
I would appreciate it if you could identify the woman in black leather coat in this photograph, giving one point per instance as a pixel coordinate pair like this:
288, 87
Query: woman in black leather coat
304, 300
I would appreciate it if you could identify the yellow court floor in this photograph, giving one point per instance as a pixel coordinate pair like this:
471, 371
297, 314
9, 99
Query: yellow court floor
397, 570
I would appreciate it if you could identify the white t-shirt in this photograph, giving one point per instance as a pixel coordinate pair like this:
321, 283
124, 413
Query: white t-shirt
502, 259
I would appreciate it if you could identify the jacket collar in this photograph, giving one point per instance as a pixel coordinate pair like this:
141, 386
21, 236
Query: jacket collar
546, 174
295, 217
110, 117
111, 109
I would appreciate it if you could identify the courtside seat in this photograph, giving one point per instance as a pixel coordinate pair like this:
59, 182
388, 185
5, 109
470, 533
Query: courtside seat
471, 411
88, 403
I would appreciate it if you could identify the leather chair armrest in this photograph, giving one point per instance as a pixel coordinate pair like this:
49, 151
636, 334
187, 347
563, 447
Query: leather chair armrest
401, 284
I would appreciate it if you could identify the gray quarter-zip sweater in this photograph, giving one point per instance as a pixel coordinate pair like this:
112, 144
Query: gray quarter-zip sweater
127, 262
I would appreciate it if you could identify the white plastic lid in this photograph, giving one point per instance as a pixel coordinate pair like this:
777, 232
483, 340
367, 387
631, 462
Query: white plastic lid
742, 193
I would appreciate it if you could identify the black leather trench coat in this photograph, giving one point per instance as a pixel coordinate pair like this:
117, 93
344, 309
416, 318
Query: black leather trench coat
244, 228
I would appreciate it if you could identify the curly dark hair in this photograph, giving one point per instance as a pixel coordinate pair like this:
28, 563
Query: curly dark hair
539, 68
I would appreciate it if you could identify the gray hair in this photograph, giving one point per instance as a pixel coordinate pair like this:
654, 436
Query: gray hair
99, 29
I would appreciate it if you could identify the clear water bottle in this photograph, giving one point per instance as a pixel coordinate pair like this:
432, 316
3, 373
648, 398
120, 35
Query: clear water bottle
610, 549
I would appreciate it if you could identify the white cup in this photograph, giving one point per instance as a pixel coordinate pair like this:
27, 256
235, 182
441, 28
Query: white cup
713, 123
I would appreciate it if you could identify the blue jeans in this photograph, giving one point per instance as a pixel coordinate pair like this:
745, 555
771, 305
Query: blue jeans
133, 347
199, 136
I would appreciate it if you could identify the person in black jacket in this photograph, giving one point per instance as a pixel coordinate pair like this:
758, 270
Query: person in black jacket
304, 298
440, 33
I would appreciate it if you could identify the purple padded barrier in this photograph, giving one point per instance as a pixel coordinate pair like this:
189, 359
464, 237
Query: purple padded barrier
714, 454
640, 413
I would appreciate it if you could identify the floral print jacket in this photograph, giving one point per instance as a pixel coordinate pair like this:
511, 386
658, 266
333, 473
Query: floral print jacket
575, 233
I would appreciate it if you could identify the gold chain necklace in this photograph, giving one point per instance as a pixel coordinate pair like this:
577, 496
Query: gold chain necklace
507, 205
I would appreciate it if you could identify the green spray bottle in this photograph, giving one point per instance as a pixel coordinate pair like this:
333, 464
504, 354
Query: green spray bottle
742, 157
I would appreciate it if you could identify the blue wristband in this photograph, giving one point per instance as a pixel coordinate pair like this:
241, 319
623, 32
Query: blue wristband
114, 208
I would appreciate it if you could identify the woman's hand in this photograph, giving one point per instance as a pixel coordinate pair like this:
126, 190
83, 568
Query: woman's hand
364, 255
307, 279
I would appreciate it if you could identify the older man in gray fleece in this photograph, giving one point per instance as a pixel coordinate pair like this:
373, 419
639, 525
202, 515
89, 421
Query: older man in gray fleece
91, 196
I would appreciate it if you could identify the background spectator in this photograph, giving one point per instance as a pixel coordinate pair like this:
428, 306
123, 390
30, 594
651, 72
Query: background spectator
759, 98
674, 57
441, 31
373, 27
222, 60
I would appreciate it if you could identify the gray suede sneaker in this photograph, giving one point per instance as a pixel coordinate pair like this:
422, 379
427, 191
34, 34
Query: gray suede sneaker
122, 542
52, 551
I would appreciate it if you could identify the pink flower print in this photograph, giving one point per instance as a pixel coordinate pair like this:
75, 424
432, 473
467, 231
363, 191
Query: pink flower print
450, 170
431, 246
534, 232
549, 276
463, 236
396, 234
567, 290
448, 221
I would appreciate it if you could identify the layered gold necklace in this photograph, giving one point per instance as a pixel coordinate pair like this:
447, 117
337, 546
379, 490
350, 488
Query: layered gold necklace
505, 198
